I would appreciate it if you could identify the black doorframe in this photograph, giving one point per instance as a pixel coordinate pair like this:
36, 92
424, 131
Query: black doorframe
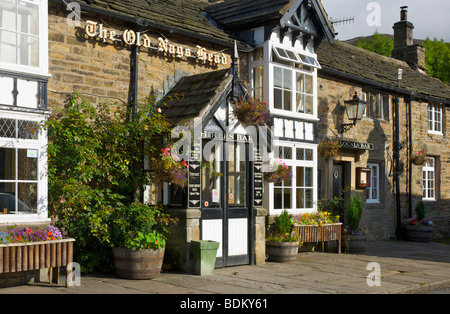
226, 212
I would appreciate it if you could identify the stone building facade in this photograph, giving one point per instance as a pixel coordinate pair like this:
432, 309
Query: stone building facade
423, 119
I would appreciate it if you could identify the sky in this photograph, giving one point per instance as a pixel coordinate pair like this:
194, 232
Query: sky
431, 18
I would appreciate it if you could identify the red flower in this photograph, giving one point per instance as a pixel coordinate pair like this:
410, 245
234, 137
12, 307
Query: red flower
185, 163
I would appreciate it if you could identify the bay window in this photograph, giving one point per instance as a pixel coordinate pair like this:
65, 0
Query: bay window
23, 35
298, 193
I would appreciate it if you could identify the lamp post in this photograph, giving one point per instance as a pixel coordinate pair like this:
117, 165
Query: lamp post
355, 109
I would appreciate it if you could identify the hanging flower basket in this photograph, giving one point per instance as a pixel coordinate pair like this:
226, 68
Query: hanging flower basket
170, 168
418, 158
278, 171
251, 111
329, 149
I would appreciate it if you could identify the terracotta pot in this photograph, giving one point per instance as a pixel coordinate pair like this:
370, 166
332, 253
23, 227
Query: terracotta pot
418, 233
138, 264
282, 252
353, 243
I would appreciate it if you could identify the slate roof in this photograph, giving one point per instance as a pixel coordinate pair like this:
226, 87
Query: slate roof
194, 96
351, 62
176, 16
238, 15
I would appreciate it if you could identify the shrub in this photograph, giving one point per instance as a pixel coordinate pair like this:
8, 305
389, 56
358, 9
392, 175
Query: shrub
354, 212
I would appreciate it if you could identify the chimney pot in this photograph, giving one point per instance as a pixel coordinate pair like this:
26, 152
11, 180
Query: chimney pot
404, 13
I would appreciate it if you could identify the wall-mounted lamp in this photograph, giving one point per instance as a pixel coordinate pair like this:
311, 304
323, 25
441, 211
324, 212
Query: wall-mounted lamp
355, 109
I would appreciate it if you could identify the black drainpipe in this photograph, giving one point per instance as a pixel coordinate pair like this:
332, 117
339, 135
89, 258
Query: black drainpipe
132, 97
411, 98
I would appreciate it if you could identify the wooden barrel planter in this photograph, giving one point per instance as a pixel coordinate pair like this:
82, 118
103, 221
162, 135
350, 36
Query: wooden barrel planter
282, 252
316, 234
418, 233
354, 243
18, 257
138, 264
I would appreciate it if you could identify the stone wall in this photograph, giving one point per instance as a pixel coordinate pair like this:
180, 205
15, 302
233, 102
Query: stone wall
101, 70
381, 217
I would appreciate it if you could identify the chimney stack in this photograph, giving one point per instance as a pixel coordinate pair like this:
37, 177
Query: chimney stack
404, 48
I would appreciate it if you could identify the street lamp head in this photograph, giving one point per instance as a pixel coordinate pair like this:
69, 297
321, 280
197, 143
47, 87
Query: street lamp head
355, 108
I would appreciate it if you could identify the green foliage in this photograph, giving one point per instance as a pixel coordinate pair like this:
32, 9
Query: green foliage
437, 59
95, 166
420, 210
379, 44
354, 212
152, 240
284, 222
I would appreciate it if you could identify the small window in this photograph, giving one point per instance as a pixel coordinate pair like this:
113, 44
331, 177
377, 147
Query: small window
429, 179
373, 192
434, 118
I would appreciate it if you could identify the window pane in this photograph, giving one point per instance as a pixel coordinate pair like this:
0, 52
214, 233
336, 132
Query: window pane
308, 154
27, 197
300, 82
300, 154
8, 128
308, 198
278, 99
277, 77
300, 98
287, 100
300, 198
28, 50
28, 18
308, 84
277, 198
8, 43
308, 177
287, 198
8, 197
287, 79
7, 164
8, 15
309, 104
28, 164
300, 177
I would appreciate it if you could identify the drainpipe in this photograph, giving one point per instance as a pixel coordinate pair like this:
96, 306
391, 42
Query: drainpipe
397, 168
132, 98
411, 97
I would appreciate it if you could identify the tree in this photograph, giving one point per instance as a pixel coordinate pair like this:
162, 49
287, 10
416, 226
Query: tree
437, 59
95, 166
379, 44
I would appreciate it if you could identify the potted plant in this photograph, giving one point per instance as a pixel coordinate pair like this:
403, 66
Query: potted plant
354, 235
282, 244
169, 167
329, 149
138, 239
250, 111
418, 158
418, 229
278, 171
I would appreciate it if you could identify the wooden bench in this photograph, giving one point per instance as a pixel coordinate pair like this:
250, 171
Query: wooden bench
18, 257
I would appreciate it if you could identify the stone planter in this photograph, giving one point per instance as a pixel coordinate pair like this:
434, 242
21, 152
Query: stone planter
282, 252
324, 233
353, 243
418, 233
138, 264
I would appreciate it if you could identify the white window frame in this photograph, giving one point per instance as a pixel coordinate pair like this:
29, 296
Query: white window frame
374, 169
42, 177
42, 69
435, 109
293, 164
428, 179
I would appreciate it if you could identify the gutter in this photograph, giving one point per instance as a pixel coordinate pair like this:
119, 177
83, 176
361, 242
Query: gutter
393, 89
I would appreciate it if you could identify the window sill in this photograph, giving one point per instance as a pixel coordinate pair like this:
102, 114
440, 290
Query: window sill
435, 133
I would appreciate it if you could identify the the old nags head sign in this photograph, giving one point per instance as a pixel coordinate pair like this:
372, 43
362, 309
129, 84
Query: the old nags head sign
162, 45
